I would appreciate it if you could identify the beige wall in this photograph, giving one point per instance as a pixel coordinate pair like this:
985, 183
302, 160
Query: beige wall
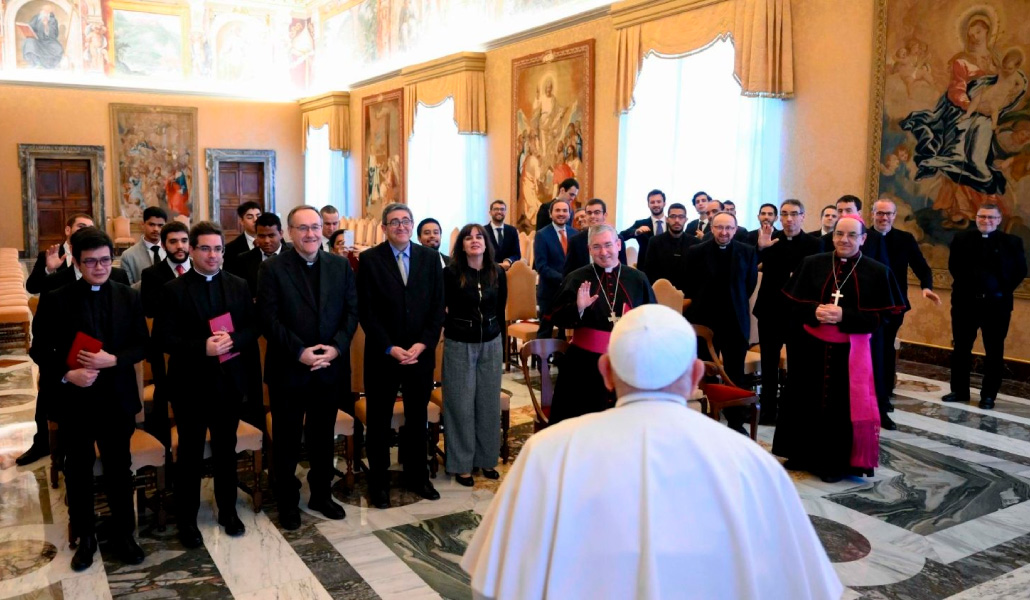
39, 115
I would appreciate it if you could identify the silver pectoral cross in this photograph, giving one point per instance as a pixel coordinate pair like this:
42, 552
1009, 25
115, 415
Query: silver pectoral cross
613, 318
836, 297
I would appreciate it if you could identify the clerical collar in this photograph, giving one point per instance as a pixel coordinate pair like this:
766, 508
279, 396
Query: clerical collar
92, 288
722, 246
884, 232
844, 259
645, 396
208, 278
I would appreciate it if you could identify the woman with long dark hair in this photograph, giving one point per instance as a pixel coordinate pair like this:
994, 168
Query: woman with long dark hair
475, 292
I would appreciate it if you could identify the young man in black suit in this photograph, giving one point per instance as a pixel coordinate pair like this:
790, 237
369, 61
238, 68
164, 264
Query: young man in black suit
504, 237
643, 230
700, 202
98, 395
56, 257
400, 299
175, 238
667, 253
307, 304
568, 191
873, 247
268, 243
225, 361
247, 213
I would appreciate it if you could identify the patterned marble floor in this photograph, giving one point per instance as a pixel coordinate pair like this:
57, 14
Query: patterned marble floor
946, 516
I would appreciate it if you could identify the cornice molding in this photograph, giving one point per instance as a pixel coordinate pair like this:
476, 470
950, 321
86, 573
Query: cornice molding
634, 12
324, 100
461, 62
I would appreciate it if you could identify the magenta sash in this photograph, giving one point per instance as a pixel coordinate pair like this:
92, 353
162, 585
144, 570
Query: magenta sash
865, 413
591, 340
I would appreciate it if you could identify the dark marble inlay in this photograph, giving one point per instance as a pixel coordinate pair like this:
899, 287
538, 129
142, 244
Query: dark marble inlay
965, 418
1014, 458
842, 543
433, 549
19, 557
933, 492
9, 400
358, 495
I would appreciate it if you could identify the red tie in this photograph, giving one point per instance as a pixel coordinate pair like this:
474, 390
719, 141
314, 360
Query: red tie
179, 270
564, 242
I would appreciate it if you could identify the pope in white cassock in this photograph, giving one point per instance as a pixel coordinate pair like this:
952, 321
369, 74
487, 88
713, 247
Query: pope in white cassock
649, 499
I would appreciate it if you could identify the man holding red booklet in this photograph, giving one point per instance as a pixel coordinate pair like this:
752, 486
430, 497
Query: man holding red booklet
207, 326
88, 336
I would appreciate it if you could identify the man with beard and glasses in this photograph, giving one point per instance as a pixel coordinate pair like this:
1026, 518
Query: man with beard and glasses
667, 253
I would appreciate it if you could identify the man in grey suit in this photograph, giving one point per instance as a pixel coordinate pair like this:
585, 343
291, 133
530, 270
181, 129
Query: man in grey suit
148, 251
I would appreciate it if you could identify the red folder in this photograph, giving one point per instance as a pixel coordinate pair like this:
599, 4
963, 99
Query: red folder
223, 322
82, 342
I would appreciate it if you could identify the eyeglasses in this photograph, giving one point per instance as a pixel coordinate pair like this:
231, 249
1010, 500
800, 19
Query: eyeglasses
211, 249
989, 217
851, 235
881, 213
606, 246
307, 228
395, 223
724, 227
91, 263
792, 213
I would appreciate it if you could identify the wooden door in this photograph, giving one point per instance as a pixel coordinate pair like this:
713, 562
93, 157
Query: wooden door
62, 189
238, 182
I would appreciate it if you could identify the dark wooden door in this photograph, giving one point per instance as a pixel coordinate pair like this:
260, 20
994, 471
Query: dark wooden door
62, 189
238, 182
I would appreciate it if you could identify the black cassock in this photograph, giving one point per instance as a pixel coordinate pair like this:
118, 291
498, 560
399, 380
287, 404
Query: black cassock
814, 427
580, 389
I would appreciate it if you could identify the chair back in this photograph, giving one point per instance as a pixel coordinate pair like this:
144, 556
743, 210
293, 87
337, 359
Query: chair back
530, 253
121, 227
631, 255
357, 362
438, 369
524, 247
542, 350
713, 366
521, 303
668, 295
377, 234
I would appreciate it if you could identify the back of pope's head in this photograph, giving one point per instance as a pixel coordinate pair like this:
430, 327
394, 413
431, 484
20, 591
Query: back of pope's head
652, 348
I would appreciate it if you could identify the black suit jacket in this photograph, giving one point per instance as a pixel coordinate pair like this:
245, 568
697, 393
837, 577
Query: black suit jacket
246, 266
543, 215
59, 317
394, 314
151, 286
510, 249
691, 228
63, 276
976, 261
779, 261
293, 319
579, 253
642, 239
34, 284
182, 328
668, 259
701, 268
235, 248
903, 252
873, 248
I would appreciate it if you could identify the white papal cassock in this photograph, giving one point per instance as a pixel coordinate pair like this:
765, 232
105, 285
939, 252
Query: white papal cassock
647, 500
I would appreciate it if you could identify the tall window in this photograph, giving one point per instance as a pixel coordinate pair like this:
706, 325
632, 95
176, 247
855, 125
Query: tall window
325, 174
446, 171
691, 130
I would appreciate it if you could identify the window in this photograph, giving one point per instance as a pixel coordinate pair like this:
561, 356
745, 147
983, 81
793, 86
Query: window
691, 130
446, 171
325, 174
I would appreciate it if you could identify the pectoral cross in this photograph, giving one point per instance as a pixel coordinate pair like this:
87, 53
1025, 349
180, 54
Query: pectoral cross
836, 297
613, 318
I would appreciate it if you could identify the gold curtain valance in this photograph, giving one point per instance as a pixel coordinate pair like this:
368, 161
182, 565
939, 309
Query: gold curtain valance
761, 32
459, 75
332, 109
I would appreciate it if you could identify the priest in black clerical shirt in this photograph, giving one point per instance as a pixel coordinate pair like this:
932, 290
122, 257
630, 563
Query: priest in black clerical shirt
97, 392
667, 253
590, 301
207, 325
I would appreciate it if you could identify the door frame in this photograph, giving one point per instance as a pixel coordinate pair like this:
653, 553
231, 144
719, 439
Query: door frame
28, 154
214, 156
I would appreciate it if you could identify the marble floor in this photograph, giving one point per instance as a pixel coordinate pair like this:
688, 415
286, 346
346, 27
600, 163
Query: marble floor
946, 516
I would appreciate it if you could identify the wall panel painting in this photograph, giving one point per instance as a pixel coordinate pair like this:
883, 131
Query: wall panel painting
951, 118
552, 126
384, 175
41, 34
149, 41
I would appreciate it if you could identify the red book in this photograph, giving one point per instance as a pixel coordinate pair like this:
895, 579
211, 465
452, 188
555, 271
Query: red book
223, 322
82, 342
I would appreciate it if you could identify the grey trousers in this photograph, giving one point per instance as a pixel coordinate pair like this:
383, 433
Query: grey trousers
472, 404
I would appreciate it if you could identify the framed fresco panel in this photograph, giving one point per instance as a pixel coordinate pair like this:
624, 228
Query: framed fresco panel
950, 124
155, 149
148, 40
552, 126
383, 177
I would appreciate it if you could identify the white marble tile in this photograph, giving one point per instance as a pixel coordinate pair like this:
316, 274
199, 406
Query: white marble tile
383, 570
1014, 585
301, 589
985, 532
966, 455
961, 432
850, 594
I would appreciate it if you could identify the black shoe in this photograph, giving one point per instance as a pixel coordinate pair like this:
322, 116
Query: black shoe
34, 453
986, 402
83, 557
328, 508
233, 525
890, 407
739, 428
190, 536
465, 481
289, 519
491, 474
887, 423
831, 477
127, 550
379, 498
426, 490
953, 397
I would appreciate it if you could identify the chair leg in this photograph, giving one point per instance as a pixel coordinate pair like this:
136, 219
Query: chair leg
162, 517
141, 500
256, 493
55, 461
434, 443
754, 421
350, 461
507, 354
505, 425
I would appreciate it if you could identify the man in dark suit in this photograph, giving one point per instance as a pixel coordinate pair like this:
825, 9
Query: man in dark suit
568, 190
827, 219
722, 274
430, 235
268, 243
579, 255
247, 213
700, 202
175, 238
56, 257
873, 247
401, 301
549, 251
643, 230
766, 220
780, 253
667, 253
713, 208
504, 237
223, 355
307, 303
903, 252
987, 265
98, 394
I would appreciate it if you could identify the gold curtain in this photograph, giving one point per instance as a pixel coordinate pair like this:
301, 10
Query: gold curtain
461, 76
760, 29
332, 109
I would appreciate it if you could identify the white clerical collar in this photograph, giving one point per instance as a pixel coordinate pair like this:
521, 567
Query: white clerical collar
250, 240
94, 288
173, 264
209, 277
68, 255
78, 273
645, 396
722, 246
883, 232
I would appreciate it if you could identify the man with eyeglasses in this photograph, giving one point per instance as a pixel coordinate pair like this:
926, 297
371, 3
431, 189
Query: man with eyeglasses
56, 257
504, 237
903, 252
667, 253
721, 276
401, 303
207, 324
987, 265
307, 305
87, 338
579, 255
715, 207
